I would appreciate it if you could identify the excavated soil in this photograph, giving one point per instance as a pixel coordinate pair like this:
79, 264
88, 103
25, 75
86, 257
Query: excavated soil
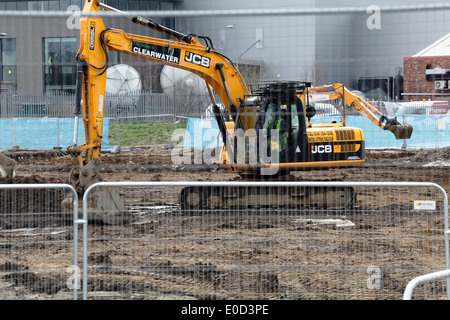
164, 253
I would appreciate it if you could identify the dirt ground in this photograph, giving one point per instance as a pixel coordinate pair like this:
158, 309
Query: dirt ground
256, 254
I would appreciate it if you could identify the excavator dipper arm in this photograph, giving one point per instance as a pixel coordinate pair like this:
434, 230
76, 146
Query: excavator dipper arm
338, 91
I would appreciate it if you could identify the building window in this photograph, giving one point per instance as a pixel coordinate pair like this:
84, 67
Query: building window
61, 5
52, 5
169, 21
8, 61
11, 5
428, 77
59, 62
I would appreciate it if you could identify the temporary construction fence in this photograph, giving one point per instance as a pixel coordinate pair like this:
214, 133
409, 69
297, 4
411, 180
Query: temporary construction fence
371, 251
136, 106
144, 106
36, 241
46, 121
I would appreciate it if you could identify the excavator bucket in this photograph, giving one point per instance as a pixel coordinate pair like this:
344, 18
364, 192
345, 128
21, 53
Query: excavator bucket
401, 131
7, 167
104, 204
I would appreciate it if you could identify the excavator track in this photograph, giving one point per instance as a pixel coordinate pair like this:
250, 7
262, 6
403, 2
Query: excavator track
20, 155
332, 198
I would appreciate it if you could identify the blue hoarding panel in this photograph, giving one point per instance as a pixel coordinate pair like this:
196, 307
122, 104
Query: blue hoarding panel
428, 132
44, 133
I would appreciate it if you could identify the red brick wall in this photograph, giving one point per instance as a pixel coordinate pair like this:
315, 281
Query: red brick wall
414, 77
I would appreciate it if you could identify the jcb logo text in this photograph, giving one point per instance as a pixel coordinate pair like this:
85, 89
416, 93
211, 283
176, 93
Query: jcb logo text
322, 149
197, 59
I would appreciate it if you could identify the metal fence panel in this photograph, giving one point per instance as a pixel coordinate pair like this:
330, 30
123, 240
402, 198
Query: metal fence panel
267, 252
143, 105
139, 106
38, 243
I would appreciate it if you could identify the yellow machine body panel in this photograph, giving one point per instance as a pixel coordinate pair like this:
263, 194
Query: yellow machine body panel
329, 147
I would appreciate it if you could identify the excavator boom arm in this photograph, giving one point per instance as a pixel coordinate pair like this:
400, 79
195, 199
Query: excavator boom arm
340, 92
214, 68
186, 53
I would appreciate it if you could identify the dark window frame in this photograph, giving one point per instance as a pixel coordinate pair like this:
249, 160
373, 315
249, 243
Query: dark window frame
59, 72
10, 47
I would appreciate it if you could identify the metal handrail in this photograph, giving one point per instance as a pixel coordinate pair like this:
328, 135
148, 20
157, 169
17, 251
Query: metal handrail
407, 295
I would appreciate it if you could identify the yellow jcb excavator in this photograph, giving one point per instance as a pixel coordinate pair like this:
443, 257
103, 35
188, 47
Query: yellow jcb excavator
269, 133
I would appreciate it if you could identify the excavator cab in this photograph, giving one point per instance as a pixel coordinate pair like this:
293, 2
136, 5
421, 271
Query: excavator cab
286, 116
278, 118
277, 130
275, 121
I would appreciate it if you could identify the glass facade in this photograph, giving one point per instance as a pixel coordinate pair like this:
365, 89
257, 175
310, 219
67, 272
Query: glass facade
145, 6
59, 64
39, 5
8, 61
62, 5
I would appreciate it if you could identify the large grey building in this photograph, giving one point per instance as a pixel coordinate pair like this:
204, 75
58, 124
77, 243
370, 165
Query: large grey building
37, 54
323, 48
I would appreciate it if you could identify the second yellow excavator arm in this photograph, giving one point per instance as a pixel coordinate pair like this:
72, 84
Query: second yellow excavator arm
338, 91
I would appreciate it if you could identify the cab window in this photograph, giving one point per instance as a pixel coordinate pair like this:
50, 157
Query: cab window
294, 124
